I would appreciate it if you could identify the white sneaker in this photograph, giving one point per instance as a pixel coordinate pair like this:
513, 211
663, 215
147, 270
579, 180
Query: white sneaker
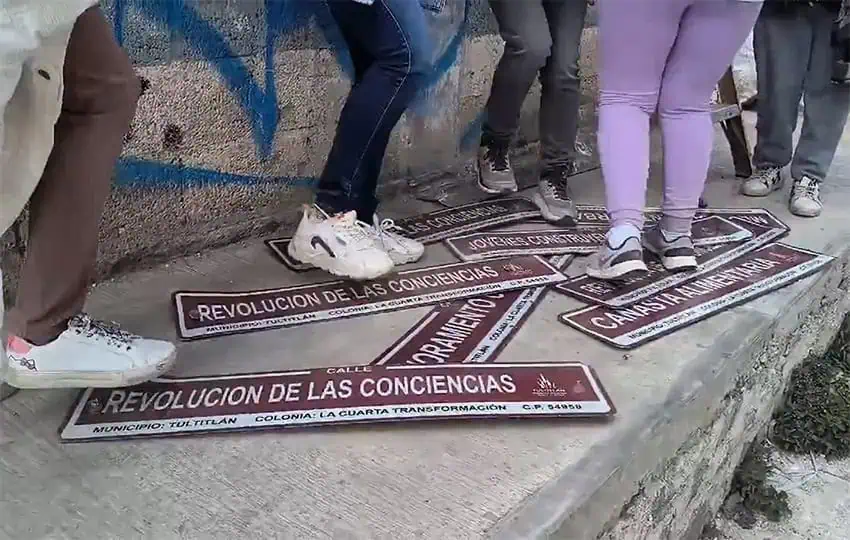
805, 198
402, 250
341, 245
763, 182
89, 354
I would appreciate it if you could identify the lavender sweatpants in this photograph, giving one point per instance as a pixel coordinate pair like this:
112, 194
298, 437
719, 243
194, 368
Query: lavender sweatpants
665, 56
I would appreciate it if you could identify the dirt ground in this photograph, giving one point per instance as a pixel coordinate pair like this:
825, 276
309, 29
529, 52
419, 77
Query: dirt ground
818, 495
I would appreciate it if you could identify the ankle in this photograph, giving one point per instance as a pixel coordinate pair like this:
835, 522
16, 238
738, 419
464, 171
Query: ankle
621, 232
39, 339
673, 227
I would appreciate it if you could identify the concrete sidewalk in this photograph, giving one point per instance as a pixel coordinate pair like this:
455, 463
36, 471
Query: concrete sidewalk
688, 405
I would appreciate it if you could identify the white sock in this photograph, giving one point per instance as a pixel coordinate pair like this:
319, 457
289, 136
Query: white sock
619, 234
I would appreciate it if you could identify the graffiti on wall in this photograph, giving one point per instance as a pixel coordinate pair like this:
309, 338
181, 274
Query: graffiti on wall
256, 96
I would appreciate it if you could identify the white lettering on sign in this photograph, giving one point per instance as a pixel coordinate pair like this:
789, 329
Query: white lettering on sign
613, 319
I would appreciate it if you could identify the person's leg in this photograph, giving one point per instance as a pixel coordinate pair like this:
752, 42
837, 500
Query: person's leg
826, 106
782, 46
560, 84
330, 185
100, 95
528, 44
394, 34
51, 343
559, 108
710, 34
635, 39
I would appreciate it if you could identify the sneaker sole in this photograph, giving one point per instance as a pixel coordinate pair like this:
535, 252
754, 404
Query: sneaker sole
44, 380
622, 271
679, 264
491, 191
401, 260
568, 220
805, 214
331, 266
674, 264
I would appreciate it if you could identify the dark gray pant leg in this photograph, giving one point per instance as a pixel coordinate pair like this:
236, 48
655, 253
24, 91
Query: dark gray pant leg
781, 43
528, 44
561, 85
826, 105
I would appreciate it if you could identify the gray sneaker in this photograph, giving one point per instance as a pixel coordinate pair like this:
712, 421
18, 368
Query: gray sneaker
553, 198
495, 175
763, 182
613, 263
677, 255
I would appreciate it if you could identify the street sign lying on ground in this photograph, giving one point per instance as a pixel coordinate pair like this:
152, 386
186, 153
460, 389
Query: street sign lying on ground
334, 396
439, 225
593, 215
471, 330
209, 314
741, 280
478, 246
632, 290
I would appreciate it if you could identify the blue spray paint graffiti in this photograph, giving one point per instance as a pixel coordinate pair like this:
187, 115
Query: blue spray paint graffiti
257, 99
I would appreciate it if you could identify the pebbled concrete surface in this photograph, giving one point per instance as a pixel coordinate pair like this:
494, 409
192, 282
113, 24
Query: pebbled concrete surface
688, 404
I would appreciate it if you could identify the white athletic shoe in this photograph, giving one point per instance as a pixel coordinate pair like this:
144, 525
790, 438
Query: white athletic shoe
763, 182
402, 250
89, 354
805, 198
339, 244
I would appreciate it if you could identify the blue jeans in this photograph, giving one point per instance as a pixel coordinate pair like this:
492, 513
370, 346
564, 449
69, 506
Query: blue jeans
390, 48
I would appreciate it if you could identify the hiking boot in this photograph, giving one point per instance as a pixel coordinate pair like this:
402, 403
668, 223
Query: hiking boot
763, 182
553, 197
339, 244
805, 198
495, 175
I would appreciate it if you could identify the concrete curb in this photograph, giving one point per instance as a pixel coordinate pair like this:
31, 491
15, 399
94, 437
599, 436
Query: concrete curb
623, 490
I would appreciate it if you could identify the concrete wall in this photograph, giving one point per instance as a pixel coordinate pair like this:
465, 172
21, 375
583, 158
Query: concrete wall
240, 106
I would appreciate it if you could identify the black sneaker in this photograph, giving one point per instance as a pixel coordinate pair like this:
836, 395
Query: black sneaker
553, 197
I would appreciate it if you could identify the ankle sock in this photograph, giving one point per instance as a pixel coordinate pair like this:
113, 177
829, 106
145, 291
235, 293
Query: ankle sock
620, 233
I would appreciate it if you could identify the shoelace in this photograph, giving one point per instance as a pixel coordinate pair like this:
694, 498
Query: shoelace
388, 226
766, 176
385, 230
109, 332
497, 156
558, 184
810, 190
356, 234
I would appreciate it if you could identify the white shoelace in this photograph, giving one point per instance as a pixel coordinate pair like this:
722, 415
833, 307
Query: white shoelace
808, 189
388, 226
768, 177
387, 231
355, 234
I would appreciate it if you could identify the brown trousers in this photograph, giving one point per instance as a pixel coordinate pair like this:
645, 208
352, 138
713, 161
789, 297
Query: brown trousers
99, 101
